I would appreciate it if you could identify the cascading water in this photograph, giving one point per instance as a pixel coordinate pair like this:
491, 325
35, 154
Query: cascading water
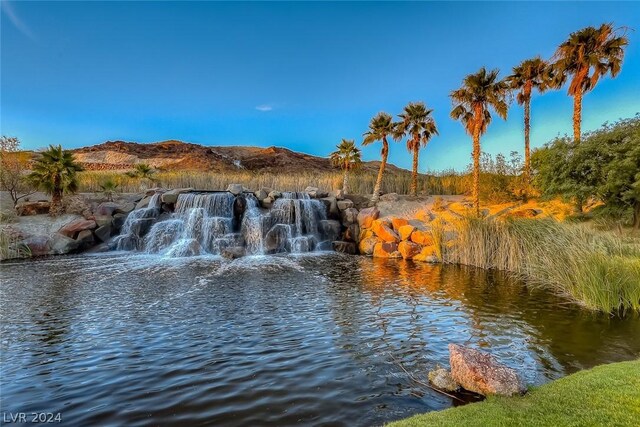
208, 224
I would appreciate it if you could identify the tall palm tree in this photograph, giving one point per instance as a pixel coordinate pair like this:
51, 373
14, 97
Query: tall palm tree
347, 157
588, 55
528, 75
417, 123
55, 172
478, 93
380, 128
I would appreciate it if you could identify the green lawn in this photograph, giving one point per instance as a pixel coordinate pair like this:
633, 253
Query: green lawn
607, 395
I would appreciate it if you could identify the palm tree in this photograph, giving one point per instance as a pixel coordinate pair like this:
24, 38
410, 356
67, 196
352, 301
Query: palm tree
143, 172
380, 128
109, 189
347, 157
529, 75
417, 123
55, 172
587, 55
479, 92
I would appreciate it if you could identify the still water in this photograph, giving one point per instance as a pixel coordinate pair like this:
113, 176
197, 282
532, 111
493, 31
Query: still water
319, 339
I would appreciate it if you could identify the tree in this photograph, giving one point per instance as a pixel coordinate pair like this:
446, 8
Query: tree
417, 123
142, 171
479, 92
588, 55
347, 157
55, 172
380, 128
109, 188
529, 75
13, 165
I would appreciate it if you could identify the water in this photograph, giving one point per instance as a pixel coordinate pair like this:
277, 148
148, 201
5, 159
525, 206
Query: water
318, 339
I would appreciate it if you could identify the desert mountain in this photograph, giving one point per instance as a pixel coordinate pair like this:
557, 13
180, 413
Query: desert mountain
178, 155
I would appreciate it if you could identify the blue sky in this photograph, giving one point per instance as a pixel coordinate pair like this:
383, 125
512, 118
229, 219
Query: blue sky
298, 75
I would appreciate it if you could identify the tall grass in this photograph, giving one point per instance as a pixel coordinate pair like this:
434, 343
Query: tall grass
11, 247
601, 270
447, 183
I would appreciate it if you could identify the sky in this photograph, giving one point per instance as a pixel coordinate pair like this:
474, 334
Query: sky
298, 75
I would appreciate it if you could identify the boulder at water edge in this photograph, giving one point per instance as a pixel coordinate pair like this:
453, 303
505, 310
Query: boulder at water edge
344, 247
482, 373
442, 380
382, 229
235, 189
409, 249
367, 216
72, 229
330, 229
367, 245
349, 216
233, 252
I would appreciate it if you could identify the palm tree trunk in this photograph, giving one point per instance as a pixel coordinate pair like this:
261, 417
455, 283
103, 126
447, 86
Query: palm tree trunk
414, 171
55, 209
383, 164
577, 115
345, 181
527, 130
476, 160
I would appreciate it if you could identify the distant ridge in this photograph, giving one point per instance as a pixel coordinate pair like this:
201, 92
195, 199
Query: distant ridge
178, 155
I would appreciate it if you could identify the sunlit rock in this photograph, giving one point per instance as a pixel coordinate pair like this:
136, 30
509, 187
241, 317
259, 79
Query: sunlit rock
409, 249
367, 216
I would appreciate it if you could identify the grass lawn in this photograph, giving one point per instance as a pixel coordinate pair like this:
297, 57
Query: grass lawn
607, 395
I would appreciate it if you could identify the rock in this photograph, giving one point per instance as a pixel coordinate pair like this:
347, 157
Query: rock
314, 192
398, 222
349, 216
61, 244
239, 206
267, 202
171, 196
261, 194
390, 197
345, 204
338, 194
367, 245
344, 247
384, 232
118, 221
104, 232
442, 380
352, 233
275, 194
330, 229
72, 229
32, 208
143, 203
481, 372
124, 208
423, 238
235, 189
38, 245
405, 231
276, 239
86, 239
366, 233
105, 209
386, 250
409, 249
233, 252
102, 219
427, 254
332, 207
367, 216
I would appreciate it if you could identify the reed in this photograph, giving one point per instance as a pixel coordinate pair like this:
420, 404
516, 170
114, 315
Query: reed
601, 270
11, 247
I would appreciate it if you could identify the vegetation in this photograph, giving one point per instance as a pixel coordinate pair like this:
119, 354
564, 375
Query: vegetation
11, 247
604, 167
417, 123
472, 101
13, 165
109, 188
55, 172
604, 395
529, 75
144, 173
380, 128
347, 157
600, 270
588, 55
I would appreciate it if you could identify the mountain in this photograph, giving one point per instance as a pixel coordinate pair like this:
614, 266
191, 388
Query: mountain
178, 155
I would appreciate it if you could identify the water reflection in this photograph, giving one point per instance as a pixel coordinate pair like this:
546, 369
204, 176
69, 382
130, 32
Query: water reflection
120, 339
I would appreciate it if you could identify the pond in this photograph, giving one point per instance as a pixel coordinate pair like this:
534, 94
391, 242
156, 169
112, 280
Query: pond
316, 339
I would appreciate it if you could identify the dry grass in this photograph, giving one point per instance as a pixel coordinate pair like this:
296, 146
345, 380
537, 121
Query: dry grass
599, 269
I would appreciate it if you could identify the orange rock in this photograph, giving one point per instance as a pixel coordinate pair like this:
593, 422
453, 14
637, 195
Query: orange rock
405, 231
365, 233
422, 237
384, 232
367, 216
398, 222
367, 245
386, 250
409, 249
427, 254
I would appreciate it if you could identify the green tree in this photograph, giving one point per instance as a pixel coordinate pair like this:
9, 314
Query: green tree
143, 172
588, 55
479, 92
419, 126
528, 75
347, 157
109, 188
13, 166
380, 128
55, 172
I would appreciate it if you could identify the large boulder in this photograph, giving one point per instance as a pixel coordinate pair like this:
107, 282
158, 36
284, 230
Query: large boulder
171, 196
383, 230
86, 239
386, 250
124, 208
398, 222
420, 237
312, 191
118, 221
235, 189
349, 216
367, 245
367, 216
38, 245
61, 244
442, 380
405, 231
352, 233
390, 197
104, 232
345, 204
275, 194
409, 249
427, 254
276, 239
72, 229
330, 229
33, 208
261, 194
106, 209
481, 372
338, 194
332, 207
344, 247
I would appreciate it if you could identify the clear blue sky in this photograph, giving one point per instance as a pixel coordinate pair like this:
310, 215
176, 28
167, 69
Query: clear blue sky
298, 75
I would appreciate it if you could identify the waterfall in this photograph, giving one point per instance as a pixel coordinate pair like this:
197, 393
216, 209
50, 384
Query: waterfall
207, 223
